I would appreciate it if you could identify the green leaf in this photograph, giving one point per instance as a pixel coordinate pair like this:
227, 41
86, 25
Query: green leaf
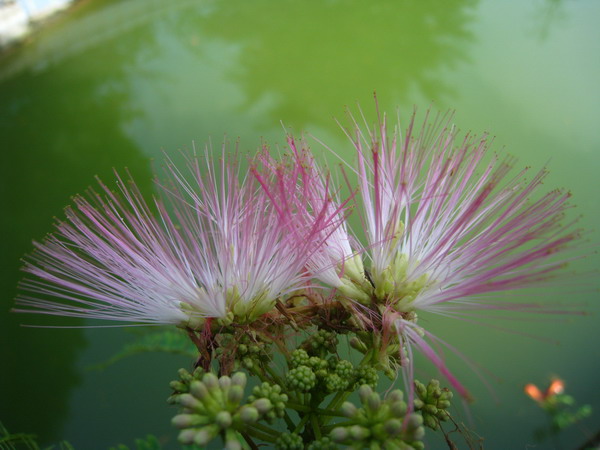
172, 341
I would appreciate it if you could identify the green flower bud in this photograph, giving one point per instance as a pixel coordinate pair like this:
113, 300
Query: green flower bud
359, 345
186, 437
443, 404
235, 394
339, 434
249, 414
393, 427
348, 409
419, 404
263, 405
232, 440
301, 379
199, 390
289, 441
223, 419
398, 409
364, 393
178, 386
420, 389
325, 443
430, 409
205, 435
210, 380
184, 375
233, 444
395, 396
188, 401
239, 379
374, 401
188, 420
431, 422
254, 349
359, 433
224, 382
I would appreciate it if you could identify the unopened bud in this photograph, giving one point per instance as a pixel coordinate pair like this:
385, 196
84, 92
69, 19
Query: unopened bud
224, 382
393, 426
233, 444
432, 386
398, 409
359, 433
420, 388
210, 380
374, 401
443, 404
239, 379
223, 419
188, 401
184, 375
364, 392
339, 434
186, 437
431, 422
395, 396
249, 414
357, 344
263, 405
348, 409
178, 386
430, 409
186, 420
235, 394
199, 390
204, 436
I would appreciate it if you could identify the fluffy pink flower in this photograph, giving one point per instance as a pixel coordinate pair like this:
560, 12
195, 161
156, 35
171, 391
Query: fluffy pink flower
296, 179
446, 223
219, 249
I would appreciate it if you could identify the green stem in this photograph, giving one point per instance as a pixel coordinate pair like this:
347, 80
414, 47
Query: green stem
336, 399
315, 426
298, 407
265, 429
301, 423
260, 435
249, 441
327, 428
325, 412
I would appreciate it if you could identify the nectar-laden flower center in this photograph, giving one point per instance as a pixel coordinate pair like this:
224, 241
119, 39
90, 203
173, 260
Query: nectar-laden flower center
394, 287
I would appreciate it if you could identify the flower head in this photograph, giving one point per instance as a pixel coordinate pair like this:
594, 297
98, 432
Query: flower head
445, 224
113, 259
218, 247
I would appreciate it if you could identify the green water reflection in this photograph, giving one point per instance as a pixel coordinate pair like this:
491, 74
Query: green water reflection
113, 84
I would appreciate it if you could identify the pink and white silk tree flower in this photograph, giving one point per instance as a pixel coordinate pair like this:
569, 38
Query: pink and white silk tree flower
446, 224
217, 248
333, 262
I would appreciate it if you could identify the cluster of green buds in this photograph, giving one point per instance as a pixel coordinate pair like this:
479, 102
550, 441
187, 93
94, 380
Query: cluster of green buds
271, 392
247, 350
293, 441
214, 407
433, 403
182, 385
321, 343
379, 424
310, 373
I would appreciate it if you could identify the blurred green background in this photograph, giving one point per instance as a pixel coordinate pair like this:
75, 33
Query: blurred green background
113, 84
